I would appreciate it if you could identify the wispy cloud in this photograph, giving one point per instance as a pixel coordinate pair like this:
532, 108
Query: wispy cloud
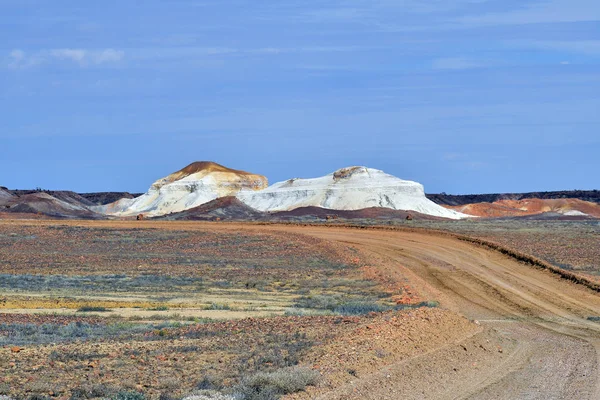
456, 63
188, 53
452, 156
587, 47
19, 59
536, 12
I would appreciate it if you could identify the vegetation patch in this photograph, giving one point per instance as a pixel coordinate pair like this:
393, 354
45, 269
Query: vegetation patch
93, 309
273, 385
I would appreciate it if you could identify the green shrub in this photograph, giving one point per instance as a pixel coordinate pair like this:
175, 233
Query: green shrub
359, 308
129, 395
93, 309
219, 306
210, 382
93, 392
273, 385
159, 308
319, 302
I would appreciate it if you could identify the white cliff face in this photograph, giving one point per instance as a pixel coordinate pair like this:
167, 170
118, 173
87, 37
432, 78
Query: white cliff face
352, 188
190, 187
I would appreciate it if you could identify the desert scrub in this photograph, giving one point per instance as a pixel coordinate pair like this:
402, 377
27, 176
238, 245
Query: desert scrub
159, 308
273, 385
92, 309
209, 395
23, 334
97, 283
218, 306
359, 308
128, 395
65, 356
93, 391
340, 305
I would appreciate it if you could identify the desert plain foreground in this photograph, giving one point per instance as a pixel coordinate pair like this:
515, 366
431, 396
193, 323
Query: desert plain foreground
164, 309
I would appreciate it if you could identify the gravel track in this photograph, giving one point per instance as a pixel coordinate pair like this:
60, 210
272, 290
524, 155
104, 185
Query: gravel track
552, 348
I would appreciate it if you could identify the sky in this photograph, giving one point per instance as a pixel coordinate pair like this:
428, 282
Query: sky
463, 96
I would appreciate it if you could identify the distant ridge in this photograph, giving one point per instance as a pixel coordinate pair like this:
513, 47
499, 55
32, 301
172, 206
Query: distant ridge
460, 200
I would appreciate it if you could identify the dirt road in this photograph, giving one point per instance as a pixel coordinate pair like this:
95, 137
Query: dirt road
555, 352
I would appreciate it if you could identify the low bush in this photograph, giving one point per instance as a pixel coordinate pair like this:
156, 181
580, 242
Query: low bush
159, 308
93, 391
24, 334
210, 382
319, 302
219, 306
273, 385
128, 395
359, 308
336, 304
93, 309
66, 356
209, 395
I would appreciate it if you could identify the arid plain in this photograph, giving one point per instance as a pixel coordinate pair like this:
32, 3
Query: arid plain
167, 309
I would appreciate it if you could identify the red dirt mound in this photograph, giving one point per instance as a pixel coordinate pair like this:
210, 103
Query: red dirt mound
367, 213
224, 208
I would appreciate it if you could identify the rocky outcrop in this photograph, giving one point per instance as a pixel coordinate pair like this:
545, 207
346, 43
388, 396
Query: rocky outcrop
190, 187
352, 188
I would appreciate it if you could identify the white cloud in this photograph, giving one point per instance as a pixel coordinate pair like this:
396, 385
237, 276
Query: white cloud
16, 57
546, 11
19, 59
109, 55
76, 55
452, 156
456, 63
588, 47
84, 57
88, 57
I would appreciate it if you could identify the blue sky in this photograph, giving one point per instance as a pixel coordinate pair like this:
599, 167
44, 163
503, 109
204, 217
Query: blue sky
464, 96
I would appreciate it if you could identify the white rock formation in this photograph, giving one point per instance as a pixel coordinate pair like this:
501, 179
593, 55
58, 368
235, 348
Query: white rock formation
196, 184
352, 188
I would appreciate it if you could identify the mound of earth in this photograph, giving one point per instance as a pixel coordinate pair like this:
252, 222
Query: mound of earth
194, 185
353, 188
223, 208
66, 205
5, 195
388, 214
529, 207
